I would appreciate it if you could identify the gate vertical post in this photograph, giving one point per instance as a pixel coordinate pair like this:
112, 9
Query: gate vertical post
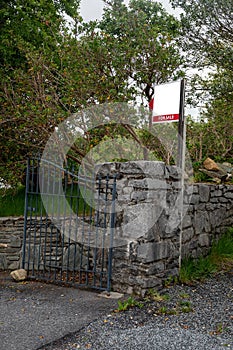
25, 213
112, 230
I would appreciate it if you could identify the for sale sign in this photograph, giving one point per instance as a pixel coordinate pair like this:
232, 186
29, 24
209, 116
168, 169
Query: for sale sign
166, 105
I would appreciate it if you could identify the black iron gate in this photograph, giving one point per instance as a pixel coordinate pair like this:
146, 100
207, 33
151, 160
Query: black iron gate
69, 226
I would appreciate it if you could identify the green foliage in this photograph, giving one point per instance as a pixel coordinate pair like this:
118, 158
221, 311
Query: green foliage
212, 136
222, 251
164, 303
224, 247
207, 30
184, 306
154, 295
171, 280
128, 303
32, 25
32, 101
49, 72
201, 177
144, 36
192, 270
12, 202
163, 310
184, 296
220, 258
207, 38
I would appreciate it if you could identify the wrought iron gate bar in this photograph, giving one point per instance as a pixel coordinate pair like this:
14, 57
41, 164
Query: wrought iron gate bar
67, 224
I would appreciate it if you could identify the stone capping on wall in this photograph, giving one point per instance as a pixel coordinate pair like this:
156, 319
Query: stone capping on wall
150, 251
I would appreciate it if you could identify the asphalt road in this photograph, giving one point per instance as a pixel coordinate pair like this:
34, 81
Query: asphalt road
33, 314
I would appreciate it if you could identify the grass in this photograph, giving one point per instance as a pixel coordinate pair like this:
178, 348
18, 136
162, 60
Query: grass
219, 259
12, 202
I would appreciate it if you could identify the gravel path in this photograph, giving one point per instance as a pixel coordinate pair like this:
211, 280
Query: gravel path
188, 317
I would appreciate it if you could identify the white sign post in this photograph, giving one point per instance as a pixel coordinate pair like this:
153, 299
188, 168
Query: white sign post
168, 107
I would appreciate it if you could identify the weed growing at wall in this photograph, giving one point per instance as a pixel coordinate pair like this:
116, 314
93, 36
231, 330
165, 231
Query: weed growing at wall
219, 259
127, 304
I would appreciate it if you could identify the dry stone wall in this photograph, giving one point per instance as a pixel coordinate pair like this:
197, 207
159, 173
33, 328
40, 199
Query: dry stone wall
11, 239
147, 227
45, 245
148, 224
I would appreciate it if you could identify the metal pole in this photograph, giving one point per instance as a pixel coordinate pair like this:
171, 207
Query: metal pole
181, 136
181, 160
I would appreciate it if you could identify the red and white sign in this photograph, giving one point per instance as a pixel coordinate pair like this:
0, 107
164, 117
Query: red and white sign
166, 104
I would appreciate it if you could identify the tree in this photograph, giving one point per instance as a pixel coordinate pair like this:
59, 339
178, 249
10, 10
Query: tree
207, 29
34, 24
145, 39
55, 72
129, 50
31, 35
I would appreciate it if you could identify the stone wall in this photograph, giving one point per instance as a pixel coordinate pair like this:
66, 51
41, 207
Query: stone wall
11, 239
209, 214
45, 245
147, 228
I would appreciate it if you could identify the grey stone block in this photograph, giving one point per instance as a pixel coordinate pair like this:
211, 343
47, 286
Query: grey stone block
153, 251
147, 282
14, 265
200, 206
173, 221
187, 221
204, 240
156, 268
195, 188
15, 242
214, 200
216, 193
139, 219
202, 222
195, 199
217, 217
152, 168
149, 184
229, 195
185, 250
187, 234
210, 207
223, 200
204, 192
193, 245
126, 190
3, 262
73, 259
158, 197
172, 172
